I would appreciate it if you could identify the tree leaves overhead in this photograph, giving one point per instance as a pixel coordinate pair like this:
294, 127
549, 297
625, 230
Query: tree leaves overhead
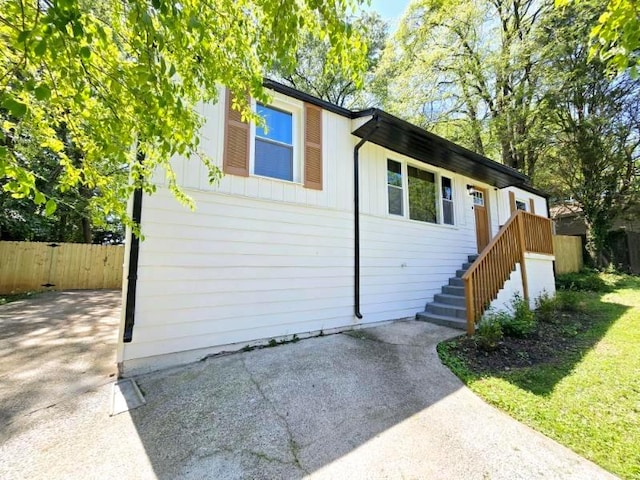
120, 76
616, 35
312, 73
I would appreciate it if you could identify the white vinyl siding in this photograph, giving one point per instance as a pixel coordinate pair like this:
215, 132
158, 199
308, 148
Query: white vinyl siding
261, 258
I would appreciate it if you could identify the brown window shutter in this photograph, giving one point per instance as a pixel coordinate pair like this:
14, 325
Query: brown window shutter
236, 141
512, 202
312, 147
532, 206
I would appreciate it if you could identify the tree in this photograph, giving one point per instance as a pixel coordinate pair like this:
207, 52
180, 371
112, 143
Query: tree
593, 127
312, 73
122, 79
469, 69
616, 35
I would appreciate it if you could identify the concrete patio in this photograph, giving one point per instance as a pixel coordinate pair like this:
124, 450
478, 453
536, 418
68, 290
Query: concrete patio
375, 403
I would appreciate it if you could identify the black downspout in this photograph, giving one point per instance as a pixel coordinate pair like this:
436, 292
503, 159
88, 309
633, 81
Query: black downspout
356, 219
132, 275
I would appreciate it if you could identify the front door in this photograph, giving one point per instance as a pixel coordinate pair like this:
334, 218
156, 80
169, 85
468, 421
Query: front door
483, 235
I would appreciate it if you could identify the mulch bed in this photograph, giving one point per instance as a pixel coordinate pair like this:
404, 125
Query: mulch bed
550, 342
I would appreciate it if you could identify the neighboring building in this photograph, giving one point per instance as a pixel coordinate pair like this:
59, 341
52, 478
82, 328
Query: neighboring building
278, 247
623, 239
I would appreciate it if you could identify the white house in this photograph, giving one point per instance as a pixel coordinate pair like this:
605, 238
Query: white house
329, 220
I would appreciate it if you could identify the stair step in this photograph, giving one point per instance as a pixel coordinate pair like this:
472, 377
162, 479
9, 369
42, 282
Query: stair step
454, 300
473, 258
443, 320
453, 290
456, 282
460, 273
466, 265
446, 310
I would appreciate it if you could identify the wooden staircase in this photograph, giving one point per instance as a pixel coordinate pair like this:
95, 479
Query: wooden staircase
449, 307
462, 302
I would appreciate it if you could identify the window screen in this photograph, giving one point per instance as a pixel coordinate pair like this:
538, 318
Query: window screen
274, 144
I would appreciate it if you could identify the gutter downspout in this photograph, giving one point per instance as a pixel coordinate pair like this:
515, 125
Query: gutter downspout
356, 218
132, 274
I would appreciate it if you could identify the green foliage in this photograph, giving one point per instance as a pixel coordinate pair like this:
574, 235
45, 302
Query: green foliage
522, 320
569, 301
489, 331
546, 307
313, 74
598, 367
615, 36
469, 70
99, 86
585, 280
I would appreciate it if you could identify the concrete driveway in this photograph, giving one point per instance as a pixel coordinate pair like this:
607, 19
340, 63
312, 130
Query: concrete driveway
371, 404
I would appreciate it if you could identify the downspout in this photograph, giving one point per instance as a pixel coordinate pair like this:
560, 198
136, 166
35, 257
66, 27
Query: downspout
356, 218
132, 274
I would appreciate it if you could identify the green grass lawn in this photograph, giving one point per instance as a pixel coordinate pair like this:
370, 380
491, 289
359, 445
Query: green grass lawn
587, 397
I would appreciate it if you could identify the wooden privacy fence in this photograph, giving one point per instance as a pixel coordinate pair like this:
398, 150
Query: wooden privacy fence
568, 252
35, 266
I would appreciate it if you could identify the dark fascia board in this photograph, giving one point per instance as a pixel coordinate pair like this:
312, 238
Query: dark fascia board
403, 137
506, 176
535, 191
305, 97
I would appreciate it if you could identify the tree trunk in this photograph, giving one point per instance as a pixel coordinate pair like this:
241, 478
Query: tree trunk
86, 230
597, 231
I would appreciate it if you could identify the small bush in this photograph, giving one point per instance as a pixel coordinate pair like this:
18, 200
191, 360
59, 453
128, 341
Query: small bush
585, 280
569, 301
546, 307
489, 331
522, 322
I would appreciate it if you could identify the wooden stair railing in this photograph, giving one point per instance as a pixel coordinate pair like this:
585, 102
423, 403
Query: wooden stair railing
523, 232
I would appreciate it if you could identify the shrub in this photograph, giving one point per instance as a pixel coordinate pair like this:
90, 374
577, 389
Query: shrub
585, 280
568, 301
546, 307
489, 331
522, 322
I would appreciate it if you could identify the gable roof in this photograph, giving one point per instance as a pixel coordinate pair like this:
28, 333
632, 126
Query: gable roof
408, 139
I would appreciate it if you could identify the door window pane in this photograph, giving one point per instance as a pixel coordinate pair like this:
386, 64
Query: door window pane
478, 198
394, 187
422, 195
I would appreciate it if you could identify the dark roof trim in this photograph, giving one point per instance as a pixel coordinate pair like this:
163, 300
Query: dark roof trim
407, 139
535, 191
398, 135
305, 97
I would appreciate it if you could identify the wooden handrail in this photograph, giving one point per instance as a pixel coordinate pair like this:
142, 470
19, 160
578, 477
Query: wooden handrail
523, 232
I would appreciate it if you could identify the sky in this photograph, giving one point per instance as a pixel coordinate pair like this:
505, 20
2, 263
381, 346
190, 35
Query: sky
389, 10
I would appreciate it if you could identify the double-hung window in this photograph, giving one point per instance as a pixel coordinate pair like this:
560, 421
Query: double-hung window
274, 155
394, 187
446, 187
419, 194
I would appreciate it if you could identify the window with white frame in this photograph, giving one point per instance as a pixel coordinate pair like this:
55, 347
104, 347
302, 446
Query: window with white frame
419, 194
521, 205
274, 154
394, 187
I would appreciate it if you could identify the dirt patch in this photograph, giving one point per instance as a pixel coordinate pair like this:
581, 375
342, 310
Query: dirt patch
550, 342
